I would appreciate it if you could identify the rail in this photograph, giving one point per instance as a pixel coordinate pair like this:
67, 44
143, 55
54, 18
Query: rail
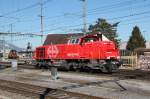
39, 92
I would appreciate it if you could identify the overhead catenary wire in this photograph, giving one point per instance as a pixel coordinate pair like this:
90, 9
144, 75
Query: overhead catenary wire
119, 17
114, 12
7, 15
113, 5
113, 18
25, 8
81, 25
88, 13
51, 17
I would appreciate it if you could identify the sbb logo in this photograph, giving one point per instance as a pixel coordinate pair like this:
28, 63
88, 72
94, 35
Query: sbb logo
52, 51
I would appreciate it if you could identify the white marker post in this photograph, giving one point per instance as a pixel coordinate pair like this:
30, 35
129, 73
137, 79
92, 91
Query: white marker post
14, 65
54, 73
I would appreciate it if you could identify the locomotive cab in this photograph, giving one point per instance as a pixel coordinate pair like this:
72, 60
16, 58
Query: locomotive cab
85, 39
91, 38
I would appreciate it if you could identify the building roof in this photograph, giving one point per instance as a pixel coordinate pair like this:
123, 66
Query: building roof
60, 38
142, 50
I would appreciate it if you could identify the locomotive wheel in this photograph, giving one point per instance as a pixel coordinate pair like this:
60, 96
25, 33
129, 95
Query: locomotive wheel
108, 67
72, 68
67, 68
37, 66
87, 69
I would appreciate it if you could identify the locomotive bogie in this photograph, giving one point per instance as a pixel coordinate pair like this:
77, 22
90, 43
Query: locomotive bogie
81, 65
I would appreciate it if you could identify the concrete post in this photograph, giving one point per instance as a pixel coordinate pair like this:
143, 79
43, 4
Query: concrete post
14, 65
54, 75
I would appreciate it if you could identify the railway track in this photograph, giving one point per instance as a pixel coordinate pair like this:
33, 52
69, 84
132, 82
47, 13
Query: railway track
38, 92
120, 74
25, 66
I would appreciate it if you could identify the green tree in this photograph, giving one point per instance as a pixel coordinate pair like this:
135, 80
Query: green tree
107, 29
136, 40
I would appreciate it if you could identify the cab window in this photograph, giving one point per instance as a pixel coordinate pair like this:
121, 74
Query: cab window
73, 41
77, 41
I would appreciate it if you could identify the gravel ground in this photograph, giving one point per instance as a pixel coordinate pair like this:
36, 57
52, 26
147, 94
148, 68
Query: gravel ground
109, 93
137, 87
9, 95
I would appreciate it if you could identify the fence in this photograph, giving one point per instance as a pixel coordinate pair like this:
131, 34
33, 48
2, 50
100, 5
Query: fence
129, 58
132, 59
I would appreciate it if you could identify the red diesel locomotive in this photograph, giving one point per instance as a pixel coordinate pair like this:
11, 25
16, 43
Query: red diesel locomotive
89, 52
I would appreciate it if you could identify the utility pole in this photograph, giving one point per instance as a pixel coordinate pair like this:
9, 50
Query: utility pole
3, 46
84, 16
41, 16
11, 33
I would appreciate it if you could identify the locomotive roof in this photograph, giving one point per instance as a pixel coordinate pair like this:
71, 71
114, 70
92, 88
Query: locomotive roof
60, 38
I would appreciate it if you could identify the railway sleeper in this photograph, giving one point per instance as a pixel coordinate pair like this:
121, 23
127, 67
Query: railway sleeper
41, 92
19, 91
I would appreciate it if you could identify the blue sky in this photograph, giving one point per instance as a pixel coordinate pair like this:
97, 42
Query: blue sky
65, 16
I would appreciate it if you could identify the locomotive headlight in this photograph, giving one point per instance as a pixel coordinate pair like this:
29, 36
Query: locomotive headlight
118, 57
108, 57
